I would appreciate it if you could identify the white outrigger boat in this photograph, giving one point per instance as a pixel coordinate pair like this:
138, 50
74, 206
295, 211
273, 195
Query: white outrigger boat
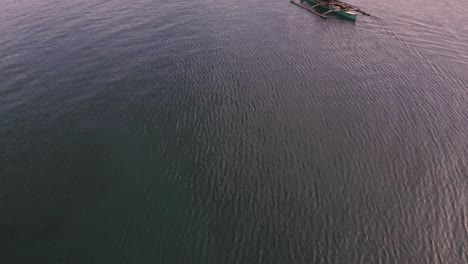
330, 6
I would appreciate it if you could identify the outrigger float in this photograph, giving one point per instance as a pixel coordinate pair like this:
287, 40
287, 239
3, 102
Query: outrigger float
330, 6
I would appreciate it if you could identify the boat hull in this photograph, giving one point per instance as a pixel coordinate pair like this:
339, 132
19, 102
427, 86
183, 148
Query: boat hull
348, 14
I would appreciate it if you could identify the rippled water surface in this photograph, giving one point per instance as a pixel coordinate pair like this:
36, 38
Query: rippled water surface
226, 131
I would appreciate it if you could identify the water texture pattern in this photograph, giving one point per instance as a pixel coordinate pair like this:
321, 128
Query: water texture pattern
227, 131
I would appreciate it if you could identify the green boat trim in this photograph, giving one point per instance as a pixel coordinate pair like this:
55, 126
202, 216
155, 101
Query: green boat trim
331, 6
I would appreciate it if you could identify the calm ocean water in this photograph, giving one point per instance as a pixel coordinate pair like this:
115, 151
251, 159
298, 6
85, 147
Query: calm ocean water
245, 131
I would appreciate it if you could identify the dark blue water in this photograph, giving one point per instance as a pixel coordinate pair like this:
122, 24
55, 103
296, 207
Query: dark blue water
232, 132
